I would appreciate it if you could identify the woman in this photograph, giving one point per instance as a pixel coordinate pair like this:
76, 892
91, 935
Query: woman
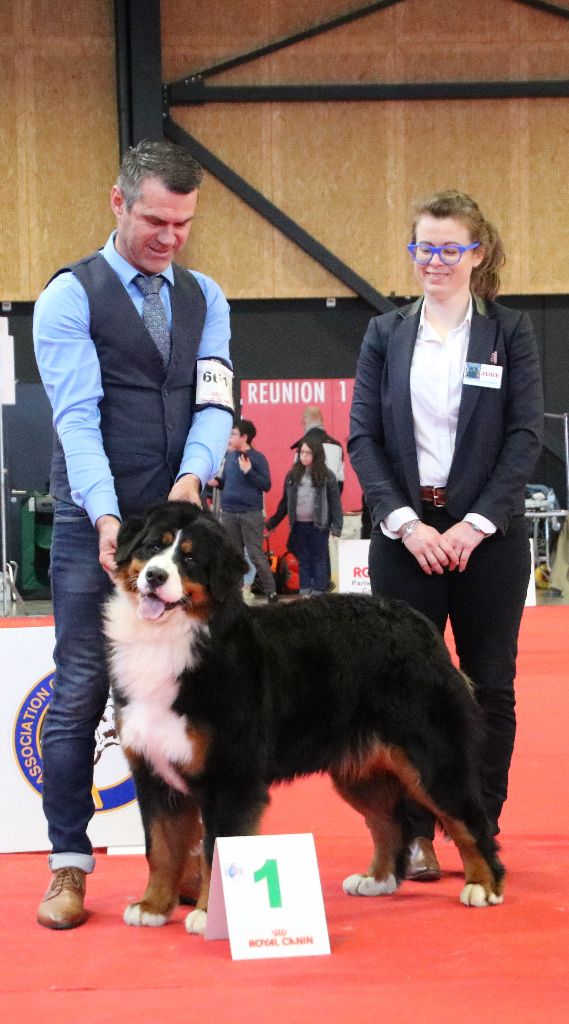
446, 426
311, 499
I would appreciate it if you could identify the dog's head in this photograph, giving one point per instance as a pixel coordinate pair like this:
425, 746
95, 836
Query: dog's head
177, 557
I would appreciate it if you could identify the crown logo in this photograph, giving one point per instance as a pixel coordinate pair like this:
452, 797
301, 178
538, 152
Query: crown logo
279, 932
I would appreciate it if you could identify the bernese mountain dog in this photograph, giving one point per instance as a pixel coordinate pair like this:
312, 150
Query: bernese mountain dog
216, 701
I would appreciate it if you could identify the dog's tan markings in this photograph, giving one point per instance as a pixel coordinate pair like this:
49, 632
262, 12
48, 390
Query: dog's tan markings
372, 784
186, 547
200, 741
167, 538
204, 889
200, 599
380, 758
133, 757
393, 760
126, 575
191, 881
476, 870
375, 796
168, 842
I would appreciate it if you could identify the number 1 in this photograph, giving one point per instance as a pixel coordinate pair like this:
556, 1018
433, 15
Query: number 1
270, 871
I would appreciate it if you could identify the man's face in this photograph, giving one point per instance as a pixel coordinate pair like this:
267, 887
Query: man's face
151, 234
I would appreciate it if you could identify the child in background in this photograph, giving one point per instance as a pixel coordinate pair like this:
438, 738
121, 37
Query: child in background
311, 499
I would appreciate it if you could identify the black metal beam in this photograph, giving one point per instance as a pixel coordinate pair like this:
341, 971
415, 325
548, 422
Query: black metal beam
297, 37
195, 91
139, 71
546, 8
288, 227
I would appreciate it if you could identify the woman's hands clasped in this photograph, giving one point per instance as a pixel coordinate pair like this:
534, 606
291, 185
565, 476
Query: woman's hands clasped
436, 551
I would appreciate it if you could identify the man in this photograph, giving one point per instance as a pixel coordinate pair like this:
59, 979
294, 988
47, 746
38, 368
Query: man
246, 477
127, 345
333, 452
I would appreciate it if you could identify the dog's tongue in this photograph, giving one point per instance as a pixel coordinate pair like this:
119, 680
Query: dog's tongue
150, 607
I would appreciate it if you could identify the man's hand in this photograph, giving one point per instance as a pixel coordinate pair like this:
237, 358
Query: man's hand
187, 488
107, 528
433, 551
463, 538
244, 463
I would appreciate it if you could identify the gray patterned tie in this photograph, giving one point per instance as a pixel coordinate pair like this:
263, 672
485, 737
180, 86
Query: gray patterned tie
154, 314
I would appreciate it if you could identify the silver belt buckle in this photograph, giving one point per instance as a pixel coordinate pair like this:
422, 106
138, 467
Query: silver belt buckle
438, 502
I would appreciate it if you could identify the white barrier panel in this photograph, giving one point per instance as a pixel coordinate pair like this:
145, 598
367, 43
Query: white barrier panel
353, 574
26, 655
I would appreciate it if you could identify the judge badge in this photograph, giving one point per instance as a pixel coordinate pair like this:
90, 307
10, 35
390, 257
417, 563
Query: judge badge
482, 375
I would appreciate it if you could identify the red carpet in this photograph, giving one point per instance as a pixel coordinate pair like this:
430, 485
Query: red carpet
416, 956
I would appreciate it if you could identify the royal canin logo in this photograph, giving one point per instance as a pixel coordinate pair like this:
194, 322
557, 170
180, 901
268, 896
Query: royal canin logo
280, 937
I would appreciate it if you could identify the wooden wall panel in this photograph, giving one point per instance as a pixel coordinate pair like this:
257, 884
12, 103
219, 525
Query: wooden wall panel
229, 241
545, 226
469, 154
59, 135
349, 172
14, 263
74, 159
346, 172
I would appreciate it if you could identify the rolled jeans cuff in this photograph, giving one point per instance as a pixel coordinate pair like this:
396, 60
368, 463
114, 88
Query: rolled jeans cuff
83, 861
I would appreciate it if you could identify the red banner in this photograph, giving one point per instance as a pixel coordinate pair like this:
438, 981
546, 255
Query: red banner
276, 408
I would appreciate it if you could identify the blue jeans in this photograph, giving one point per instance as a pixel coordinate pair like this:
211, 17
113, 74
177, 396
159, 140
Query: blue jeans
310, 546
81, 687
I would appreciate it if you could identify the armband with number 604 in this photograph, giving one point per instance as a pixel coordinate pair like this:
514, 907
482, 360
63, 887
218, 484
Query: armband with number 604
214, 384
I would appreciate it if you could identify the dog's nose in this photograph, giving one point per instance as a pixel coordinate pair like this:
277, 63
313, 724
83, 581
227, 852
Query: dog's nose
155, 576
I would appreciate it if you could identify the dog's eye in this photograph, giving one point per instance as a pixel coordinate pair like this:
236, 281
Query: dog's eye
155, 548
189, 560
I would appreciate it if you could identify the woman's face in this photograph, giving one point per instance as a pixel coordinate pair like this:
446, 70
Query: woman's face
438, 280
306, 455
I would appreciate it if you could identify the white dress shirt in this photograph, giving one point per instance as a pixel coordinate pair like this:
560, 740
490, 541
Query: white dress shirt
437, 370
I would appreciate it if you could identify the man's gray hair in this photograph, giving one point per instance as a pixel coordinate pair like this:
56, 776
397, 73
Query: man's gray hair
169, 163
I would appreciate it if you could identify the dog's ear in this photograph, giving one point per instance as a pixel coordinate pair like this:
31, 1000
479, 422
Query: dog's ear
227, 567
129, 537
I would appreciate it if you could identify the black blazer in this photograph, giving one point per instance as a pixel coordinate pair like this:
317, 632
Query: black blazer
499, 431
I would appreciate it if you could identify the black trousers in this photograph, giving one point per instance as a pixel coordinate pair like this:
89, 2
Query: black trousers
484, 605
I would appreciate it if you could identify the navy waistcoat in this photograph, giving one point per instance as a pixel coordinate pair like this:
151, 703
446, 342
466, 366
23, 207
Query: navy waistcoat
146, 409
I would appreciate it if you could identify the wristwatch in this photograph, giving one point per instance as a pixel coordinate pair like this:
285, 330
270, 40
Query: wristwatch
475, 527
409, 528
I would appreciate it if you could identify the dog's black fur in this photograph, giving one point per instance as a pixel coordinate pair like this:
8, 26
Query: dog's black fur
359, 687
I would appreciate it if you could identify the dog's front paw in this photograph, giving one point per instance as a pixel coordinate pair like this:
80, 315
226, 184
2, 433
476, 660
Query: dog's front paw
196, 922
475, 895
367, 885
135, 915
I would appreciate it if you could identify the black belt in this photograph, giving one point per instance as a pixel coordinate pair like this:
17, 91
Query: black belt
436, 496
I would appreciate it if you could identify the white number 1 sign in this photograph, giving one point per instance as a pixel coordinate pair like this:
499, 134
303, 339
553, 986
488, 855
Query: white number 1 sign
266, 897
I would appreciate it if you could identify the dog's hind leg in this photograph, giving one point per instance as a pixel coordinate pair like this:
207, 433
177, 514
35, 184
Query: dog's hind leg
459, 809
377, 797
167, 840
483, 871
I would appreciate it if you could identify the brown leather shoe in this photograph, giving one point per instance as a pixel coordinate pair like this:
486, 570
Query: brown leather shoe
422, 865
62, 905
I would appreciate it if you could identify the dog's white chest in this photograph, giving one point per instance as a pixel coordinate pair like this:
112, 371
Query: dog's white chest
160, 736
146, 664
